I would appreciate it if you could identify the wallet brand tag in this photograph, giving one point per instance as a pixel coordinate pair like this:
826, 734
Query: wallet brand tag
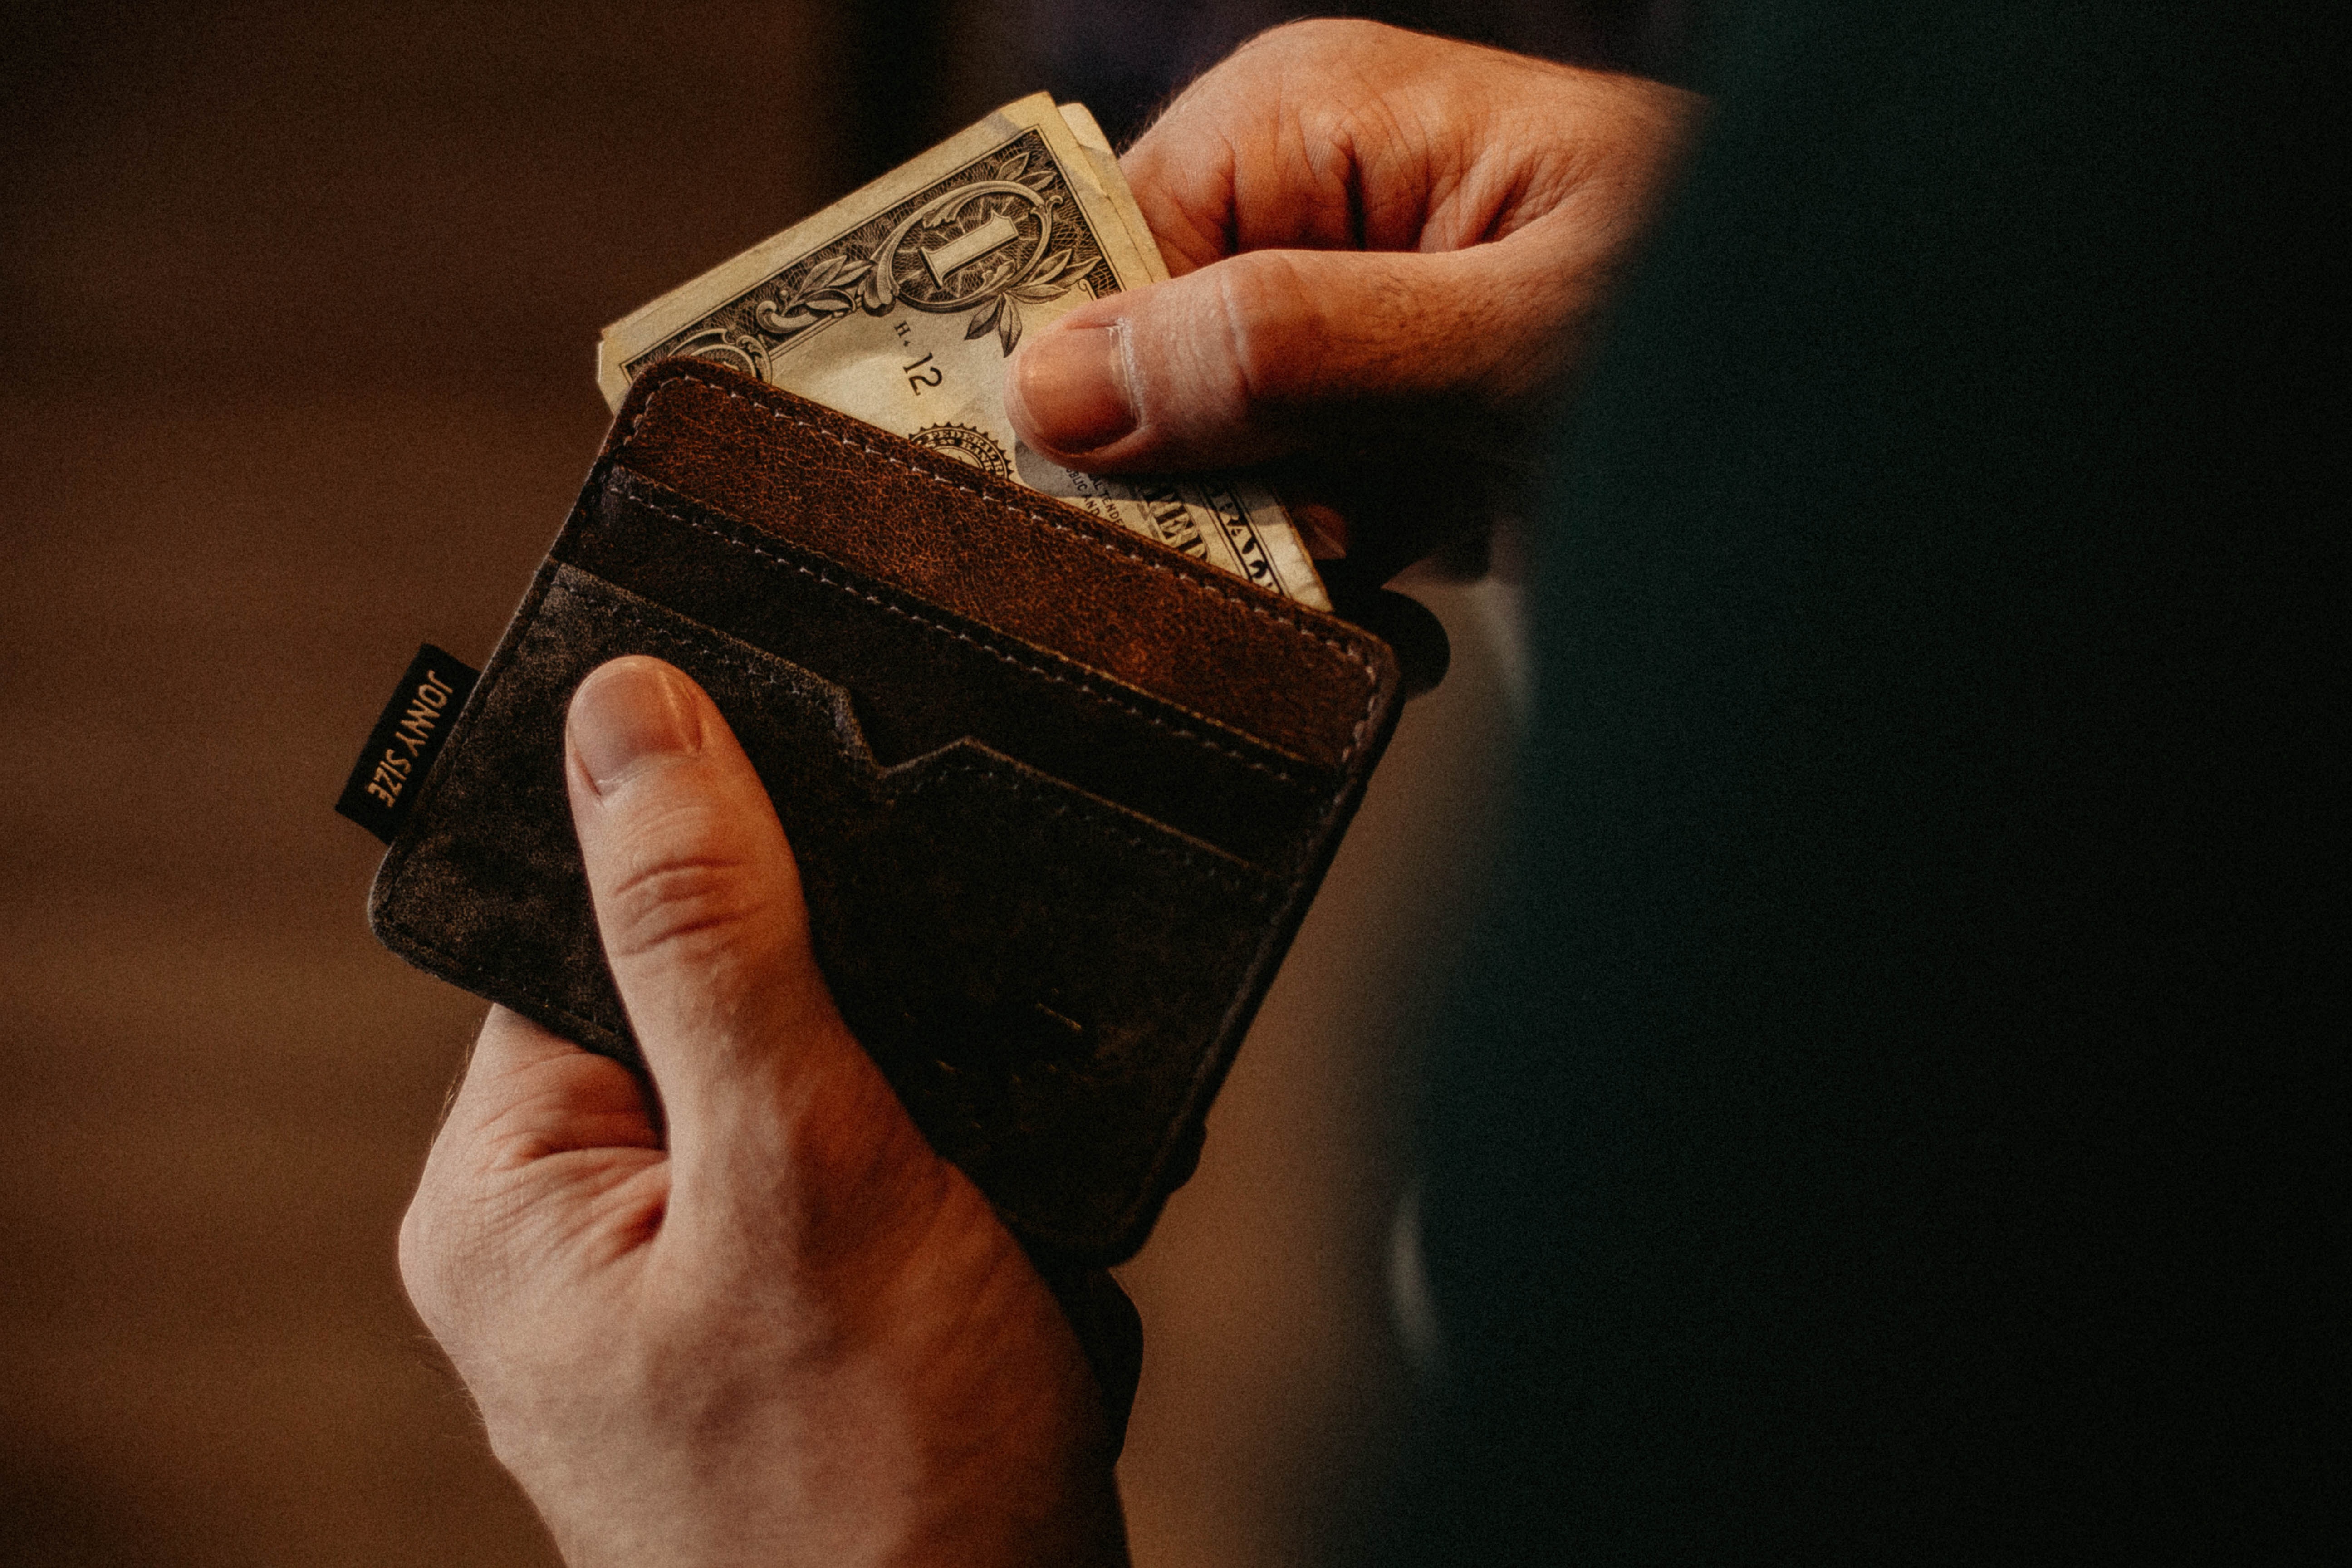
406, 738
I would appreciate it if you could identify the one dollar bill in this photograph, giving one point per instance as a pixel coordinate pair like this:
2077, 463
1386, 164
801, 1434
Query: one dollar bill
900, 305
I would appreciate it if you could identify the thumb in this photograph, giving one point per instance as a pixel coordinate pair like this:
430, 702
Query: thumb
1273, 352
766, 1094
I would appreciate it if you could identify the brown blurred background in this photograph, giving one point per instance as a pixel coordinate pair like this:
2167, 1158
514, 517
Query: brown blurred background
299, 307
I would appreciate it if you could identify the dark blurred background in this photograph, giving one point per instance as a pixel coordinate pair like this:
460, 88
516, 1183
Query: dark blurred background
300, 305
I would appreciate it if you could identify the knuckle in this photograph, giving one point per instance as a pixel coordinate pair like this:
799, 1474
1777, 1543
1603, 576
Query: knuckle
680, 874
682, 901
1315, 37
1266, 320
1268, 67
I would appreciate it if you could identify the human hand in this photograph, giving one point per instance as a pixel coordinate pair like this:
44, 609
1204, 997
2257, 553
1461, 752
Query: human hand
772, 1326
1388, 251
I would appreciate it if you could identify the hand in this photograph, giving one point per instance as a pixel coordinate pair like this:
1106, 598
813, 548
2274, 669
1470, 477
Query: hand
770, 1326
1384, 246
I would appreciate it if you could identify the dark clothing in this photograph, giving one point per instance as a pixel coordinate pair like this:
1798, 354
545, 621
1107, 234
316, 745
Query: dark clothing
1895, 1109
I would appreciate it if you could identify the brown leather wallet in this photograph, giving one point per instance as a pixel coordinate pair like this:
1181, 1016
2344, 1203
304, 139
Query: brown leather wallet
1060, 795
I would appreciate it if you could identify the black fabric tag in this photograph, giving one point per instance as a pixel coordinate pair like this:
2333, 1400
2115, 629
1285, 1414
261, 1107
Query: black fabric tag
405, 739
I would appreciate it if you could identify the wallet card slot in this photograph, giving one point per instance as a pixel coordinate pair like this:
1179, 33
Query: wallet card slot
921, 678
1017, 953
1039, 570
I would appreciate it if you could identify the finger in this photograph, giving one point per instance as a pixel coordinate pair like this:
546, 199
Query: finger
1272, 353
1337, 134
525, 1098
528, 1093
1376, 234
698, 904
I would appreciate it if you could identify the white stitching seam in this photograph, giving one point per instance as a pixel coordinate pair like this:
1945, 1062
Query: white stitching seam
1347, 649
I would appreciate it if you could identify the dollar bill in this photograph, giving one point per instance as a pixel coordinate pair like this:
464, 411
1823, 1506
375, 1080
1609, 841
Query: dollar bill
900, 305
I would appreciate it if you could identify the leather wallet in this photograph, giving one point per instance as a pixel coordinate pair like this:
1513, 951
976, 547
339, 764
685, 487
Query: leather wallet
1060, 795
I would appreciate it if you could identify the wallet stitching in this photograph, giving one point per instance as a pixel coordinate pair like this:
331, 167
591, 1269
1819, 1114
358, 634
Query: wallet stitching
1237, 877
1371, 674
854, 592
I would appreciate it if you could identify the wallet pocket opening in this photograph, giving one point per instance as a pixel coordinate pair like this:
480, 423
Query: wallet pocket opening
921, 676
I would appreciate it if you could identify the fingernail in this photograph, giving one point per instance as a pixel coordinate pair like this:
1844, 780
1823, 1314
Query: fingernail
630, 711
1073, 386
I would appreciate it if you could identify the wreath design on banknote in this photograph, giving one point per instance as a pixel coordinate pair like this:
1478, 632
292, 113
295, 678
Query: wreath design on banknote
999, 234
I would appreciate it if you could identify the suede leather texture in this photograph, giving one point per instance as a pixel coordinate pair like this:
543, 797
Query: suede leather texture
1048, 898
